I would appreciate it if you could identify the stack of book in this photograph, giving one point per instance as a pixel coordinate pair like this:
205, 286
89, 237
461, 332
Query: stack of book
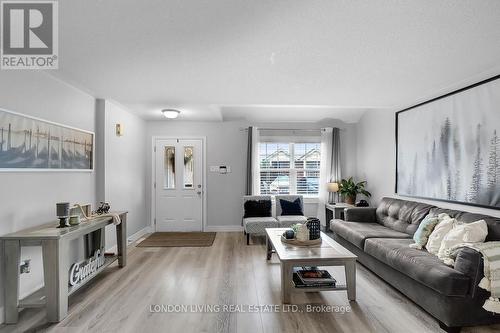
311, 277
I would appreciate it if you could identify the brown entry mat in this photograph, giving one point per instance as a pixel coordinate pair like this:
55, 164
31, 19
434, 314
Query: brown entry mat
179, 239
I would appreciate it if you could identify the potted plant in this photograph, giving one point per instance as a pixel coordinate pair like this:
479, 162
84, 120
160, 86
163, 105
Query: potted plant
350, 189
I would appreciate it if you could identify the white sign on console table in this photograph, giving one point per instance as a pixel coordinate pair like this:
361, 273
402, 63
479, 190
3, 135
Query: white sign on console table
81, 270
62, 278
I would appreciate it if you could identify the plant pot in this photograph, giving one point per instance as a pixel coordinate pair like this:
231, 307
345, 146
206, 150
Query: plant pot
351, 200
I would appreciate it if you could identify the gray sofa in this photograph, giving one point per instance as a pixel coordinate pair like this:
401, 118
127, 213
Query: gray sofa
381, 236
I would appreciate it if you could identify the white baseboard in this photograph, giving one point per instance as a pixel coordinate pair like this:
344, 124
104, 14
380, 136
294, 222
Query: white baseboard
224, 228
132, 238
139, 234
29, 292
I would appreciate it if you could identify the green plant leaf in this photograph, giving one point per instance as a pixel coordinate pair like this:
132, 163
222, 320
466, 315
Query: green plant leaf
350, 188
366, 193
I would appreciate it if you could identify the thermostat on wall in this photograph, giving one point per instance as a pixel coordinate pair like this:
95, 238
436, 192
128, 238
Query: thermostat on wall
222, 169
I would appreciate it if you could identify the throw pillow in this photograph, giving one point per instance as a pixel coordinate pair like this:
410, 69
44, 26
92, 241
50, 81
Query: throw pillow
425, 228
440, 230
474, 232
291, 207
257, 208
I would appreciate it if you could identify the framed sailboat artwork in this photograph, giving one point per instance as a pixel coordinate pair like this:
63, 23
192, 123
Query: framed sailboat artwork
32, 144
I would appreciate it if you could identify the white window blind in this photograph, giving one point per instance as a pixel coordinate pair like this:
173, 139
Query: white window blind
290, 168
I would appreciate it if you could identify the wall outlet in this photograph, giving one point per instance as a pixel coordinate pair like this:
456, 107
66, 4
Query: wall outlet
25, 266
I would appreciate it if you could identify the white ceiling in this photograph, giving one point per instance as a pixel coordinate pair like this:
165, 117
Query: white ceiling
275, 60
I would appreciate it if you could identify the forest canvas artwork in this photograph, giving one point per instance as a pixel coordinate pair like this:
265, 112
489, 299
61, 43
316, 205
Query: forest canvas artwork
31, 144
449, 149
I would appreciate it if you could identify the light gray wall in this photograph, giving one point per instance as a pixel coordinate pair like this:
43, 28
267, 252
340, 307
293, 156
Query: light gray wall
227, 145
28, 198
376, 153
120, 165
376, 150
122, 179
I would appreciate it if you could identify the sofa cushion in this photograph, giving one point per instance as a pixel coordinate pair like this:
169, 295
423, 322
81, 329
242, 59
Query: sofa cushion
419, 265
289, 220
358, 232
492, 222
461, 233
360, 214
424, 230
257, 208
290, 198
258, 225
401, 215
291, 208
437, 235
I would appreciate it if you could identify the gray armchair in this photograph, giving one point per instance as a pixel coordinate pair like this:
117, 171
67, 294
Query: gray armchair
286, 221
257, 225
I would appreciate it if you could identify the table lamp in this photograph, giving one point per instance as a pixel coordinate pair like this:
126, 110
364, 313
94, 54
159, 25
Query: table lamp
332, 188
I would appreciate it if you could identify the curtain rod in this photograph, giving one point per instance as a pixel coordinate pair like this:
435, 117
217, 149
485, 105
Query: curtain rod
290, 129
286, 129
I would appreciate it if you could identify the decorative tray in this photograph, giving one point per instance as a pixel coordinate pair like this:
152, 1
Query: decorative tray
301, 243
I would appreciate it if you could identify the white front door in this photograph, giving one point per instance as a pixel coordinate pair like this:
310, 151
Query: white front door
179, 185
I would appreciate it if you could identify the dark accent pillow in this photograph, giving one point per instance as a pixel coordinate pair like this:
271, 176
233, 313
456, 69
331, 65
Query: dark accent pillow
291, 207
257, 208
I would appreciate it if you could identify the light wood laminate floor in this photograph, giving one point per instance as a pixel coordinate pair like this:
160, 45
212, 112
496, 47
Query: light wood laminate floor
229, 272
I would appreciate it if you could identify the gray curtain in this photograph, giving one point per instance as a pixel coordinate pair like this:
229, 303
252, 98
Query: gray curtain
249, 183
335, 168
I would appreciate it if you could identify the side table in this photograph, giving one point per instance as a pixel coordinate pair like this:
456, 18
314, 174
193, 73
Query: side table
335, 211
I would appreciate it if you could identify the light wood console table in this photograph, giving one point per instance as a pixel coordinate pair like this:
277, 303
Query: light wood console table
55, 247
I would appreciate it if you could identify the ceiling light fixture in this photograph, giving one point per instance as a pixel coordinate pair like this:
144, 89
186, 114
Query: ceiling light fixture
170, 113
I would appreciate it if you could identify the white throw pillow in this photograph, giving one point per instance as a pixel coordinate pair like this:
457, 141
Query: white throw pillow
474, 232
436, 237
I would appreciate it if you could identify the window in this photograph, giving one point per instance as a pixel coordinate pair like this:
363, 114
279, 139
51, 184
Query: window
289, 168
188, 167
169, 168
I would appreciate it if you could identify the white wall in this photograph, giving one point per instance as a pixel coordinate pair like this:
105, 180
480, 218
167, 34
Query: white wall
121, 180
28, 198
376, 150
227, 145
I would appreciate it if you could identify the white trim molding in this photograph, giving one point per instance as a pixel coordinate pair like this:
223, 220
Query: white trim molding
311, 200
133, 238
139, 234
224, 228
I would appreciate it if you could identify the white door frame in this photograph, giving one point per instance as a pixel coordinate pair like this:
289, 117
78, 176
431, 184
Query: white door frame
204, 173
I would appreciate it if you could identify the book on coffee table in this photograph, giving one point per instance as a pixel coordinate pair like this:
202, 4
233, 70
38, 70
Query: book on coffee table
311, 276
299, 284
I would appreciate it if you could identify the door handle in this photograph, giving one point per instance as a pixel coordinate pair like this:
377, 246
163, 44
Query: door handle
198, 192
